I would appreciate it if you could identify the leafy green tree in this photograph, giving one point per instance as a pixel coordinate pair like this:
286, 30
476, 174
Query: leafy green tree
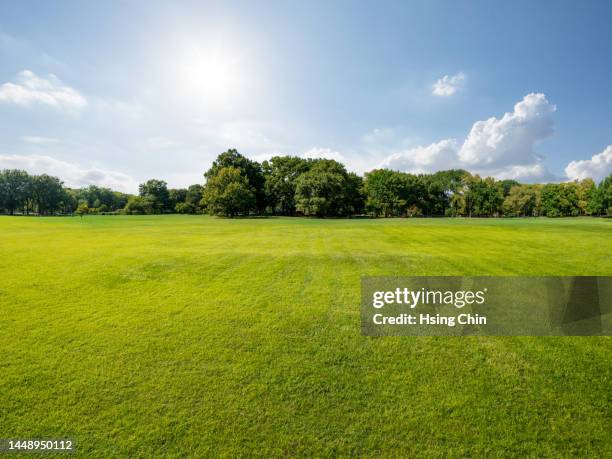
434, 200
119, 200
550, 200
96, 197
383, 191
521, 201
193, 198
600, 200
176, 196
15, 189
560, 199
47, 193
585, 189
485, 197
157, 193
323, 190
69, 201
140, 205
185, 208
228, 193
250, 169
354, 193
414, 194
605, 192
281, 174
455, 183
568, 199
82, 209
506, 186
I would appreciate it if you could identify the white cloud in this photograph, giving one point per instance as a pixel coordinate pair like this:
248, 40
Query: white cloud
598, 167
31, 89
448, 85
39, 140
73, 175
440, 155
534, 173
324, 153
510, 140
502, 148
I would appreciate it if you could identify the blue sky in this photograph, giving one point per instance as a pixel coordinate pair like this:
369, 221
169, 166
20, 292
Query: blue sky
117, 92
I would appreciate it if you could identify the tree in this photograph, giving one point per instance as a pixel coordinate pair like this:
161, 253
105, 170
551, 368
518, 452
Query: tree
605, 192
139, 205
354, 193
383, 191
193, 197
506, 186
323, 190
228, 193
184, 208
69, 201
15, 187
157, 193
434, 200
82, 209
600, 200
119, 200
454, 182
250, 169
281, 174
585, 188
560, 199
522, 201
47, 193
176, 197
486, 196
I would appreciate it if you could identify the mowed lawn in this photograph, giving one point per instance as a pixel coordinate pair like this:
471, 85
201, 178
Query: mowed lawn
199, 336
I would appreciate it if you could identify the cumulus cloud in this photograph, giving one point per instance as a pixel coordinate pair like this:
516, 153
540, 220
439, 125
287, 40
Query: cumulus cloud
598, 167
324, 153
500, 147
448, 85
510, 140
73, 175
30, 89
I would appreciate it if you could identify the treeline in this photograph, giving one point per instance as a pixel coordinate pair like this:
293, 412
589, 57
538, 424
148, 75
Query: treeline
43, 194
290, 185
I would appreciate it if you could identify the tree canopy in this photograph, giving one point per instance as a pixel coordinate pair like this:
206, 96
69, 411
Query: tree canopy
290, 185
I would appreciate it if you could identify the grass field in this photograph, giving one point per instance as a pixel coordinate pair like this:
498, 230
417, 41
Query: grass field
191, 335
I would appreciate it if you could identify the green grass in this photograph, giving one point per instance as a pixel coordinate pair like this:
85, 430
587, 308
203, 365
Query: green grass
190, 335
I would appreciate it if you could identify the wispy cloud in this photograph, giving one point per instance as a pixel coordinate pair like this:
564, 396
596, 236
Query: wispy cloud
36, 140
72, 174
448, 85
30, 89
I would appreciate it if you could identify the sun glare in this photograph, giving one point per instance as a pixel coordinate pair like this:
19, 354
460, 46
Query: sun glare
209, 73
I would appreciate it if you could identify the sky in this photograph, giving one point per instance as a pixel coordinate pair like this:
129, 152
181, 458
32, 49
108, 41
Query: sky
114, 93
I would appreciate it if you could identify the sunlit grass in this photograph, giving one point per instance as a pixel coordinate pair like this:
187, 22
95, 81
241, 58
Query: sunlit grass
190, 335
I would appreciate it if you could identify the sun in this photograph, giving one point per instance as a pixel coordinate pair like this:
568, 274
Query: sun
211, 73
